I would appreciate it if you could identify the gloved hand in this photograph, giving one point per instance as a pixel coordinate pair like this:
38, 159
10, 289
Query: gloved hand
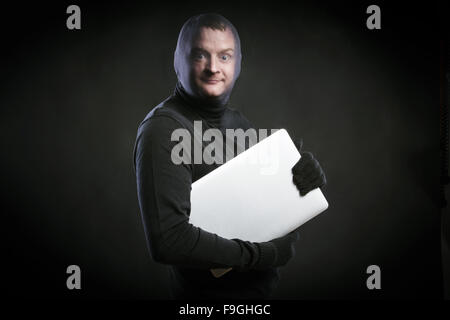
307, 172
277, 252
285, 248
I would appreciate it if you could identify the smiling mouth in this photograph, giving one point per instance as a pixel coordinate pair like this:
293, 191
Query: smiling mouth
211, 81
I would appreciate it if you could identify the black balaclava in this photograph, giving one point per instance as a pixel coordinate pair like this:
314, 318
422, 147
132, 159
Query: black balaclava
209, 107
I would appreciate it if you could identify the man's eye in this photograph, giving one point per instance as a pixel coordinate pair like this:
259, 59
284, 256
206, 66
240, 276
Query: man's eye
199, 56
225, 57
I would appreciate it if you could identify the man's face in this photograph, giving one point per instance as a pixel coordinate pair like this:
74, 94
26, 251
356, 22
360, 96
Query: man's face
213, 62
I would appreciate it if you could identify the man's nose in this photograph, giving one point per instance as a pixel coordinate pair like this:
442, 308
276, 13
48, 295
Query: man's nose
212, 65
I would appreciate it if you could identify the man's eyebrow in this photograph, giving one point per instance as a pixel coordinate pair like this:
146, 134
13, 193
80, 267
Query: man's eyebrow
197, 49
203, 50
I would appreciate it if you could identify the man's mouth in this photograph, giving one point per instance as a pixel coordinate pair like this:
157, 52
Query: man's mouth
211, 81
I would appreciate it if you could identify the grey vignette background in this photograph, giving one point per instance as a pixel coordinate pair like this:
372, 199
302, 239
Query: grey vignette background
366, 103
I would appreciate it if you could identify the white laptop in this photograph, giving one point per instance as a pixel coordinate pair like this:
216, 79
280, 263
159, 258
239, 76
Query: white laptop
252, 196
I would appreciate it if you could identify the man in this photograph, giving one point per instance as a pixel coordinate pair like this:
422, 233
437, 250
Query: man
207, 62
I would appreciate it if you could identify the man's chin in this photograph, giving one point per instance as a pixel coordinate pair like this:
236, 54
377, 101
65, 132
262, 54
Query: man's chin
212, 93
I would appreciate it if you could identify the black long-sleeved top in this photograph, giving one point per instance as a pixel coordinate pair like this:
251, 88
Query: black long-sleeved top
164, 198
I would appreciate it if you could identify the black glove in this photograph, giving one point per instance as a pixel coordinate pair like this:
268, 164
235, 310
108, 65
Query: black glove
285, 247
277, 252
307, 173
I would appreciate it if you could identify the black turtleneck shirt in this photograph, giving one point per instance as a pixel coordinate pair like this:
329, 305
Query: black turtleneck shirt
164, 198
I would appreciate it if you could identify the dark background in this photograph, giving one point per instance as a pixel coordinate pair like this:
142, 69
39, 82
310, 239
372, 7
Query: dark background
365, 102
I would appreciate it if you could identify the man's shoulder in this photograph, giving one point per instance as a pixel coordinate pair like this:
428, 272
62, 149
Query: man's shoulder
164, 114
166, 109
156, 129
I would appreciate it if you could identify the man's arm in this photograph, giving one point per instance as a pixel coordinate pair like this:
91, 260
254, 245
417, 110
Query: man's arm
164, 198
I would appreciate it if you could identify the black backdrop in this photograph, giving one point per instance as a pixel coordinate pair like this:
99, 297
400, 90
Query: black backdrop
366, 103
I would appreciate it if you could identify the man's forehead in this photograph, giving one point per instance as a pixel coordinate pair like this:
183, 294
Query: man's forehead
208, 38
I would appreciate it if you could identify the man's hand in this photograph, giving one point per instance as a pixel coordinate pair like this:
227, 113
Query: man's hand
274, 253
307, 172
